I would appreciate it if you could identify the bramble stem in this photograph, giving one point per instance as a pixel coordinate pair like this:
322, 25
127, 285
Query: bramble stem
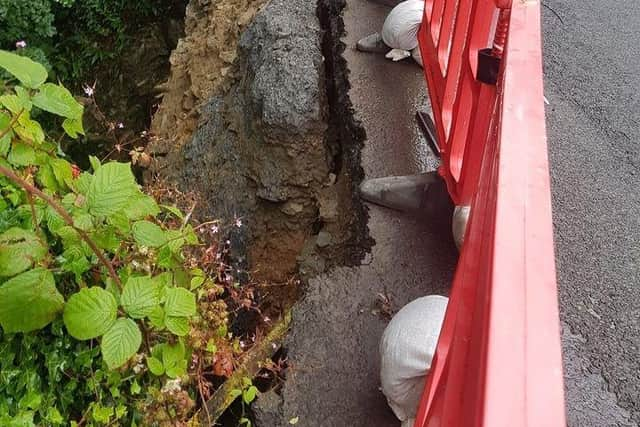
67, 218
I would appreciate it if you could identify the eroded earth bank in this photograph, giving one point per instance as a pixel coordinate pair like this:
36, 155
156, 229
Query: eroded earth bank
273, 119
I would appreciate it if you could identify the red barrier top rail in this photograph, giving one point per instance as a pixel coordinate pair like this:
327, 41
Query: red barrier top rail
498, 361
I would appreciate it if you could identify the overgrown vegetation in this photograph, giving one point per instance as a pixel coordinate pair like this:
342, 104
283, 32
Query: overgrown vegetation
72, 36
113, 311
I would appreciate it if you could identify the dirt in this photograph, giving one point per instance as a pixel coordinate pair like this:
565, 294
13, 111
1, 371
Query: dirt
248, 122
201, 66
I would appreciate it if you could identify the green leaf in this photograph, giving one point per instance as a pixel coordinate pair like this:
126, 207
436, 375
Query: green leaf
54, 416
294, 420
22, 154
120, 342
135, 387
54, 221
177, 370
196, 282
95, 163
156, 317
120, 221
141, 295
58, 100
173, 359
177, 325
155, 366
235, 393
73, 127
5, 141
172, 354
47, 179
30, 73
148, 234
19, 250
249, 395
29, 301
180, 302
142, 207
244, 422
29, 130
166, 258
111, 189
83, 221
106, 238
174, 210
83, 182
112, 288
90, 313
63, 172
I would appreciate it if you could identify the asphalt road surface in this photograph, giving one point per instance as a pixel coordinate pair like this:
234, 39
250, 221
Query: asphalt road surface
592, 66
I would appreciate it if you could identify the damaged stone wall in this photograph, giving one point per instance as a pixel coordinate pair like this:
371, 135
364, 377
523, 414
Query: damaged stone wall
247, 122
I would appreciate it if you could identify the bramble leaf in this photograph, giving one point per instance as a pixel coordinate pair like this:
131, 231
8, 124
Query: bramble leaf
58, 100
141, 295
177, 325
156, 317
29, 301
90, 313
148, 234
21, 154
120, 342
111, 189
180, 302
19, 250
73, 127
155, 366
142, 207
30, 73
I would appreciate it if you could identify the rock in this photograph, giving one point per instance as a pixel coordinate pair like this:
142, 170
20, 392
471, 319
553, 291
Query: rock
324, 239
292, 208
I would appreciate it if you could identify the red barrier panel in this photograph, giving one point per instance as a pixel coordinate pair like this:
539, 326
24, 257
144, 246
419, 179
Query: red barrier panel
498, 361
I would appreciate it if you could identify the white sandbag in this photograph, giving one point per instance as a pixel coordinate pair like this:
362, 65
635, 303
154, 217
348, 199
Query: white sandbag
406, 351
417, 56
400, 29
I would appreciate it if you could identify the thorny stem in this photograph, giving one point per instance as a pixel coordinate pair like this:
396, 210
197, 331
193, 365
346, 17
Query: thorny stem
67, 218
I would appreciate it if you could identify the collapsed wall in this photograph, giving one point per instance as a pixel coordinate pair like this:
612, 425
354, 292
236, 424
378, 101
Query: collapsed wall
250, 124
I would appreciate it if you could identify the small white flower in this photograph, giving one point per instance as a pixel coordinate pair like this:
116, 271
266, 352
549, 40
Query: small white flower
21, 44
238, 222
267, 319
88, 90
215, 228
120, 125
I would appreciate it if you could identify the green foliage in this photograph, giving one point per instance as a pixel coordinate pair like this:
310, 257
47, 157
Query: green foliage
50, 379
76, 35
22, 18
83, 250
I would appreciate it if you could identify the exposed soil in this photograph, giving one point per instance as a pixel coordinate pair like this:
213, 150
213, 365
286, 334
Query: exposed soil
201, 67
251, 123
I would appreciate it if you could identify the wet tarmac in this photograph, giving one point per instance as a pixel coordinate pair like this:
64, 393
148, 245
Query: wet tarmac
334, 375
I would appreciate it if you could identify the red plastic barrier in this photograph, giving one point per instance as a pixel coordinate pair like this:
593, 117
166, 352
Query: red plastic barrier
498, 361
